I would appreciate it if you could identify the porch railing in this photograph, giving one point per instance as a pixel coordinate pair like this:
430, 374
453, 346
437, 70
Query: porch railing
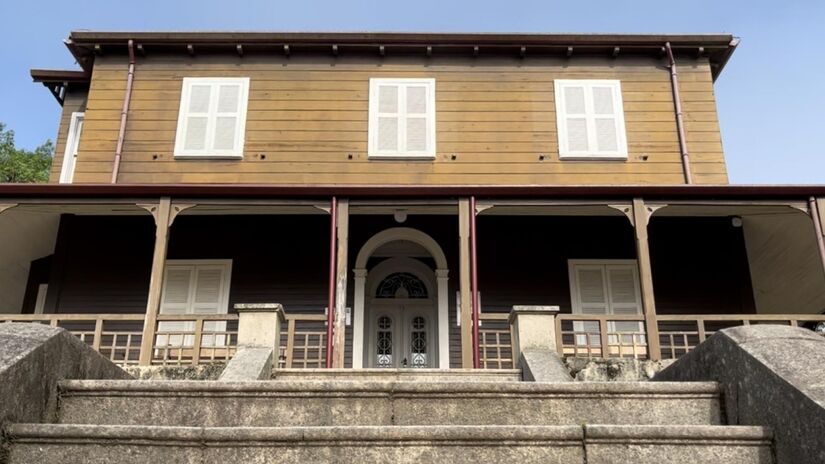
495, 341
116, 336
186, 339
303, 343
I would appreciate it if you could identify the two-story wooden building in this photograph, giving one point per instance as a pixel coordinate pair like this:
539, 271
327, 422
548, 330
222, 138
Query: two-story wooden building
414, 183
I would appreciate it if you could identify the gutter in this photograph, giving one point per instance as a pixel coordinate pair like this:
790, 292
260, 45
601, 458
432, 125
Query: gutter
121, 135
680, 122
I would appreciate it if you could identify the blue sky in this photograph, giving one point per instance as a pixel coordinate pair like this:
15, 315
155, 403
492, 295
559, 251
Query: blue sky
771, 96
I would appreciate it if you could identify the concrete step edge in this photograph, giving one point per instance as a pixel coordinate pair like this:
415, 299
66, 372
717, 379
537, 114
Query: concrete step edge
695, 433
330, 387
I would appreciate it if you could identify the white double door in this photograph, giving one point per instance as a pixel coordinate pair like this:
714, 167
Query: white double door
402, 335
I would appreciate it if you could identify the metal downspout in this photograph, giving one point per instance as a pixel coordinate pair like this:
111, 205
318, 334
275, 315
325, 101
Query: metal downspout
680, 122
474, 282
813, 210
126, 100
333, 213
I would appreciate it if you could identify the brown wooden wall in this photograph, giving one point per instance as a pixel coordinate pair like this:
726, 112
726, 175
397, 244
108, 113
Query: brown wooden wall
75, 101
307, 115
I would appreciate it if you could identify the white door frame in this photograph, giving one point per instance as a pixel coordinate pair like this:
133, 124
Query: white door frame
72, 142
360, 282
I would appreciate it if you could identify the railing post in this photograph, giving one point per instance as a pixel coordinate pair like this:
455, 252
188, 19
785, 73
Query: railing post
162, 215
98, 334
196, 345
641, 216
290, 343
532, 327
604, 340
260, 325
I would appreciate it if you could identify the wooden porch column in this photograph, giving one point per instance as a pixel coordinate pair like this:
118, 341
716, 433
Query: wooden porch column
162, 213
465, 311
339, 327
641, 216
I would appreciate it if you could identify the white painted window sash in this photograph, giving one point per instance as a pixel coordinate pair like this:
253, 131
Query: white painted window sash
72, 144
212, 114
402, 116
590, 116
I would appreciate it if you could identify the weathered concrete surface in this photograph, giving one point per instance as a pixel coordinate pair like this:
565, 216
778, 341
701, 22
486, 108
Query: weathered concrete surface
340, 403
614, 369
33, 358
259, 324
209, 371
533, 328
412, 375
151, 445
771, 375
249, 363
542, 366
645, 444
433, 444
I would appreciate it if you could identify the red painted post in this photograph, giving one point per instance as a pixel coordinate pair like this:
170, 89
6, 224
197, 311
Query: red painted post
474, 282
333, 213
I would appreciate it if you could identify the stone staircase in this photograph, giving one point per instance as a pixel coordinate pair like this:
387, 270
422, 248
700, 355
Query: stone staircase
388, 416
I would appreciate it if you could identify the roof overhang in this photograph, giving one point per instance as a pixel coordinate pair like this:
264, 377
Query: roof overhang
58, 81
10, 192
718, 48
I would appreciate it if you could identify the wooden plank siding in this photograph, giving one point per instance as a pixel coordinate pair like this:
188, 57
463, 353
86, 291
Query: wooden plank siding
308, 115
75, 101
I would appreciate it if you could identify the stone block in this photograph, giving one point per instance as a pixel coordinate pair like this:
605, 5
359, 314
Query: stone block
771, 375
533, 327
249, 363
259, 324
542, 365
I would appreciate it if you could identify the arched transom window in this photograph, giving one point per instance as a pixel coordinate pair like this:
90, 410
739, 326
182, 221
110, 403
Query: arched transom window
401, 285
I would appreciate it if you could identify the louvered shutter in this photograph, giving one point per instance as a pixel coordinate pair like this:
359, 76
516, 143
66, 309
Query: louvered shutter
197, 117
209, 299
226, 118
575, 117
176, 299
416, 118
624, 296
592, 298
604, 119
389, 109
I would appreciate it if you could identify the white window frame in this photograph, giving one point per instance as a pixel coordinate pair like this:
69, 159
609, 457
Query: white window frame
572, 264
240, 129
372, 145
561, 120
72, 143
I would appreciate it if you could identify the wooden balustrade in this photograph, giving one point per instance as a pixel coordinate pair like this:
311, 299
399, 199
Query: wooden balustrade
199, 339
495, 341
303, 345
116, 336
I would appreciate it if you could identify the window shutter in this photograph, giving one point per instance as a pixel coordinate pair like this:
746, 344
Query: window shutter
590, 118
176, 290
624, 296
388, 117
402, 117
197, 117
604, 109
209, 291
592, 291
212, 117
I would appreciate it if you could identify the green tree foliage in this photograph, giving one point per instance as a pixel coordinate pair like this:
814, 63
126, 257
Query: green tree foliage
23, 166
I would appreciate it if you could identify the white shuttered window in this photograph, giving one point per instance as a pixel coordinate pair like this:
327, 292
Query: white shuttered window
606, 287
402, 118
212, 117
590, 119
194, 287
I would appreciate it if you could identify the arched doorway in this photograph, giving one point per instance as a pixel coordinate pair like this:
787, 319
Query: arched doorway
400, 317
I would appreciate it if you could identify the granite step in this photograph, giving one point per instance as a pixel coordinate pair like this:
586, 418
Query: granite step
602, 444
411, 375
348, 403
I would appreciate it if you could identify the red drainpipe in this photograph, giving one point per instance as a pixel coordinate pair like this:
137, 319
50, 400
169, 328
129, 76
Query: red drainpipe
474, 282
813, 210
333, 213
126, 99
680, 121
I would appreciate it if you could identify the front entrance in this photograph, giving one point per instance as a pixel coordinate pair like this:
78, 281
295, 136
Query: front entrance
400, 317
402, 335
